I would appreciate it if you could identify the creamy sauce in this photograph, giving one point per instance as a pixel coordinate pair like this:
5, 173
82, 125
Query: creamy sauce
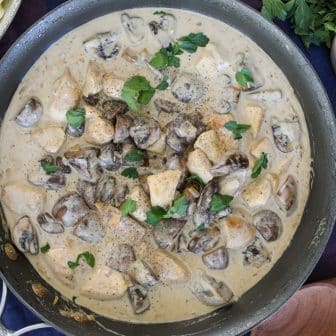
20, 154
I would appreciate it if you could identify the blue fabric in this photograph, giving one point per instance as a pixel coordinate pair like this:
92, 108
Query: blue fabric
17, 316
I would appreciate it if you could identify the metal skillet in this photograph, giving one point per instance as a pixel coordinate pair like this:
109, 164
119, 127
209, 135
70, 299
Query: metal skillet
299, 259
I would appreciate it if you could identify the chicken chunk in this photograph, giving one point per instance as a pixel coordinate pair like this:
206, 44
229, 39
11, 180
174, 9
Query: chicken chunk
141, 273
112, 86
66, 96
211, 145
263, 145
98, 131
93, 80
162, 187
199, 164
49, 138
92, 111
209, 60
254, 115
159, 146
229, 185
143, 204
258, 192
129, 231
110, 215
237, 231
23, 199
167, 268
57, 260
104, 284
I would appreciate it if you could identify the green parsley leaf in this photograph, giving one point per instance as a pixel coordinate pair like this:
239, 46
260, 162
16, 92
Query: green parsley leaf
48, 167
154, 215
145, 96
159, 60
160, 13
88, 257
244, 77
134, 155
45, 248
196, 179
130, 172
74, 298
220, 202
260, 164
76, 117
128, 207
164, 84
237, 129
179, 208
199, 39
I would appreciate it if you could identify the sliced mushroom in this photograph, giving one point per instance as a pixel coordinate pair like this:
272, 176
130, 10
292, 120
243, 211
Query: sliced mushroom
182, 244
31, 114
110, 157
202, 215
164, 29
271, 96
256, 254
85, 161
216, 259
75, 132
69, 209
228, 100
112, 107
166, 232
121, 256
286, 135
49, 224
145, 131
268, 224
92, 99
138, 296
141, 273
134, 27
24, 236
187, 88
164, 105
177, 162
122, 191
106, 188
54, 182
204, 240
287, 195
233, 163
89, 228
63, 168
129, 231
168, 23
122, 128
103, 45
87, 191
210, 291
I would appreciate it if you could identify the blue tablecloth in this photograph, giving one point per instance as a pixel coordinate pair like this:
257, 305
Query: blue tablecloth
16, 316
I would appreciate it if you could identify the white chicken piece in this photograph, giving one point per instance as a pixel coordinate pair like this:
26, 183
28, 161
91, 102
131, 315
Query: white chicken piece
275, 182
57, 261
263, 145
254, 115
229, 185
92, 111
211, 145
112, 86
258, 192
93, 80
210, 61
109, 214
167, 268
162, 187
23, 199
143, 204
141, 273
199, 164
159, 146
50, 138
129, 231
65, 97
98, 131
237, 231
104, 284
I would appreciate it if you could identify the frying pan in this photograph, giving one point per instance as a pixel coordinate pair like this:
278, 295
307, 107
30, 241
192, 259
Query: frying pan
299, 259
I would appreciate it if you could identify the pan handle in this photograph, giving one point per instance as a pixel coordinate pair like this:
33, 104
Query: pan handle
6, 332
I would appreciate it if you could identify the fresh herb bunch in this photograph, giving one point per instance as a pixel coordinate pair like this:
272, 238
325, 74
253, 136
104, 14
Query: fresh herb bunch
313, 20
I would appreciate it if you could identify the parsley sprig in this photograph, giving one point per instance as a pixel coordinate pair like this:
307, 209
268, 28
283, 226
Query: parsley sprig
167, 57
313, 20
260, 164
237, 129
88, 257
220, 202
128, 207
76, 117
130, 172
244, 77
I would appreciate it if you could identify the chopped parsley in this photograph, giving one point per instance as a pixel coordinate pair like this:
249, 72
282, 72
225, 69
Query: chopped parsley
76, 117
45, 248
130, 172
128, 207
220, 202
161, 13
134, 155
197, 179
48, 166
179, 208
154, 215
260, 164
88, 257
237, 129
244, 78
